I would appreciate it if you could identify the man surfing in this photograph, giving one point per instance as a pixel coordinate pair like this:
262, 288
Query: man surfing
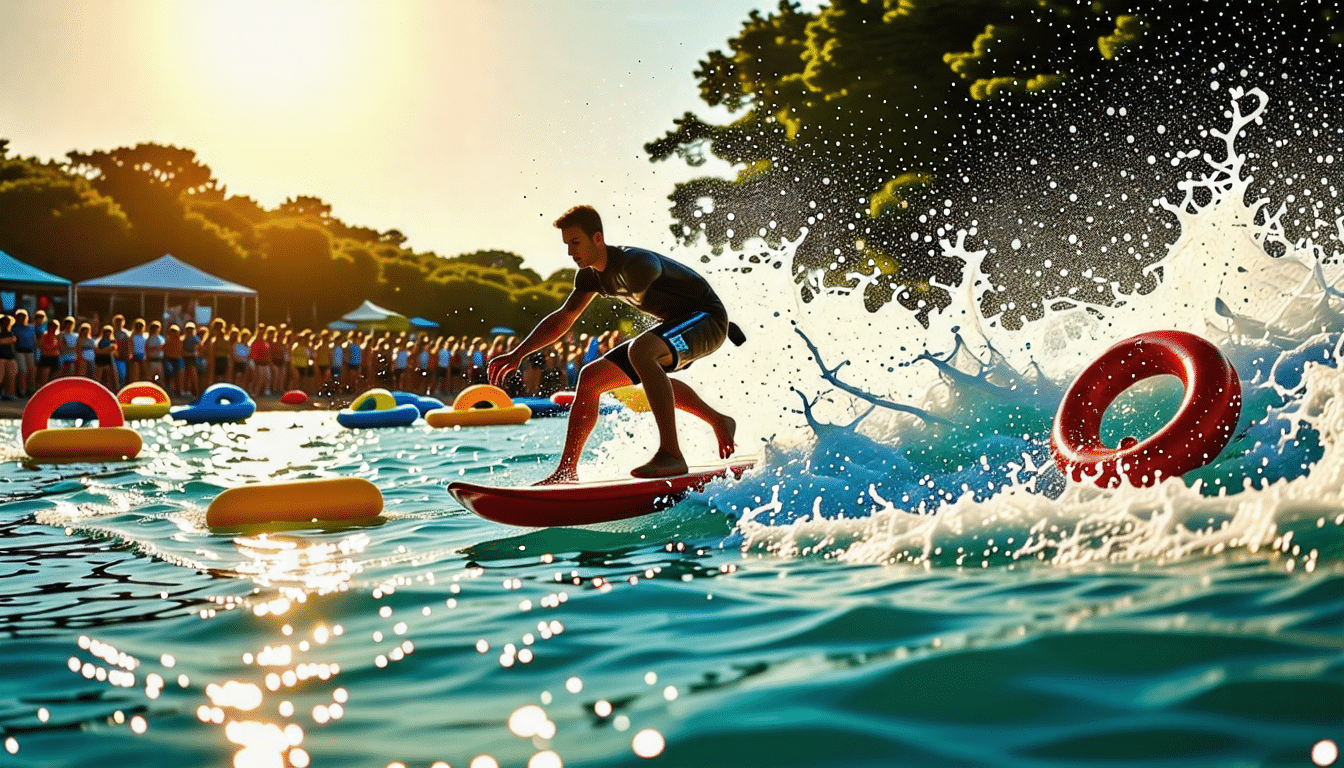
693, 323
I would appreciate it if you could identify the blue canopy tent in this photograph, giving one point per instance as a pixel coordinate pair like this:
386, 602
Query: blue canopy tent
20, 283
420, 322
168, 276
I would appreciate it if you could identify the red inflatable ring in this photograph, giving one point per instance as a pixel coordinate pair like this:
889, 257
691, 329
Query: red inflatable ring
127, 394
70, 389
1200, 429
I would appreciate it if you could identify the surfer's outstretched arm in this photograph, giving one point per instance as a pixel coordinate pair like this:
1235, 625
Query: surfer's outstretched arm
546, 332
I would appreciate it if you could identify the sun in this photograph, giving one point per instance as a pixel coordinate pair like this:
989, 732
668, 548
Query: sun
267, 50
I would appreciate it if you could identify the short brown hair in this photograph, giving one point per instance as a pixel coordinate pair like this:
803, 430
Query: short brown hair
584, 217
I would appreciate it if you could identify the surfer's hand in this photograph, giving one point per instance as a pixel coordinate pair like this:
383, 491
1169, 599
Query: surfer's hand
500, 366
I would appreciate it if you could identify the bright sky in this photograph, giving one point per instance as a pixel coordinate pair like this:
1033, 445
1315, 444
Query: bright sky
466, 124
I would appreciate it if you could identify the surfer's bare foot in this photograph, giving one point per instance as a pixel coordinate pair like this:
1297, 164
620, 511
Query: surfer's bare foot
559, 476
726, 431
661, 465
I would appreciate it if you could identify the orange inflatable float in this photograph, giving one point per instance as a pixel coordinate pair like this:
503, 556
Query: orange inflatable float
479, 405
1201, 428
110, 440
303, 501
143, 400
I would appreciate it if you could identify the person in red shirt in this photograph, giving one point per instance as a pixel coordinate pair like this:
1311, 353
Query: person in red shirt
279, 348
49, 353
260, 355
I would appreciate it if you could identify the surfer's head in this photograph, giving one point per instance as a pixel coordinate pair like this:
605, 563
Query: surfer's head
581, 230
585, 217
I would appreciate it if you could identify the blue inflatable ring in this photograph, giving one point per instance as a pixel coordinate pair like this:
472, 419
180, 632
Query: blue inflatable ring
219, 403
377, 408
422, 403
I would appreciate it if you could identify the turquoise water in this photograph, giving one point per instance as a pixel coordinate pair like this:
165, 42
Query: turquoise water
448, 625
134, 633
905, 580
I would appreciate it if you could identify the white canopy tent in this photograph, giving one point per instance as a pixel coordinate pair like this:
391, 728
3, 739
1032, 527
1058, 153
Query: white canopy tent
370, 316
168, 276
25, 280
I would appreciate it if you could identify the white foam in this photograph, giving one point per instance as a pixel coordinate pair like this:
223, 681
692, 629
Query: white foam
1233, 274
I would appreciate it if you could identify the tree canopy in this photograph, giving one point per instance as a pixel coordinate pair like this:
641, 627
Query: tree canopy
852, 123
856, 127
104, 211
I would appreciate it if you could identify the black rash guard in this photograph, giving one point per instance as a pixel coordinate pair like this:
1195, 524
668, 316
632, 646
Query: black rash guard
652, 283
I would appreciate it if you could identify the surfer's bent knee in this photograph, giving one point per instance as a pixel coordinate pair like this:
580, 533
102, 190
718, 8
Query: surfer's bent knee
595, 377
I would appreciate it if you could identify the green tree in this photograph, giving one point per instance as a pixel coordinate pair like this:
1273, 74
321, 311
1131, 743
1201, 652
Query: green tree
510, 262
108, 210
469, 306
852, 123
846, 116
58, 222
152, 184
293, 264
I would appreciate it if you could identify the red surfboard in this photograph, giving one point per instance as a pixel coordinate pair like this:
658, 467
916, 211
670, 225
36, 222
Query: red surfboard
543, 506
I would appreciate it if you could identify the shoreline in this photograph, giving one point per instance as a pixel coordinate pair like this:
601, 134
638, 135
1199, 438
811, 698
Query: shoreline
13, 409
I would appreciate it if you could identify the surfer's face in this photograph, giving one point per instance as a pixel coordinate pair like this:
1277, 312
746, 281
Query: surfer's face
584, 250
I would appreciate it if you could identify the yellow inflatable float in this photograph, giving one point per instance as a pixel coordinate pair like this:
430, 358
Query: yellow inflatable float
477, 406
111, 440
84, 444
301, 501
143, 400
632, 397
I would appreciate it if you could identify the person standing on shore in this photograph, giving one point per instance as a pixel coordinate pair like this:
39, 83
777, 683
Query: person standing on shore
25, 350
104, 358
69, 347
86, 344
191, 359
138, 340
172, 360
49, 353
9, 366
122, 358
154, 366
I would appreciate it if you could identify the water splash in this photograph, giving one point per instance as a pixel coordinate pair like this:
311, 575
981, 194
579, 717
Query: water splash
891, 441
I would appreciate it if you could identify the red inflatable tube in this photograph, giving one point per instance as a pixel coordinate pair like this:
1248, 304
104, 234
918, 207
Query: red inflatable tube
154, 392
70, 389
1194, 437
294, 397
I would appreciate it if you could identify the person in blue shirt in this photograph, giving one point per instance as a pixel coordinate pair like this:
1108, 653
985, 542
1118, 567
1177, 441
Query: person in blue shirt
693, 323
25, 347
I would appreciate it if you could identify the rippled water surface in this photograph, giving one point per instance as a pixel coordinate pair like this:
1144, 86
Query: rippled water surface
135, 634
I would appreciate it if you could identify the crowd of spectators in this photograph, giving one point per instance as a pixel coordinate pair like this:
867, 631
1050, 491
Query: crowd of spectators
272, 359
